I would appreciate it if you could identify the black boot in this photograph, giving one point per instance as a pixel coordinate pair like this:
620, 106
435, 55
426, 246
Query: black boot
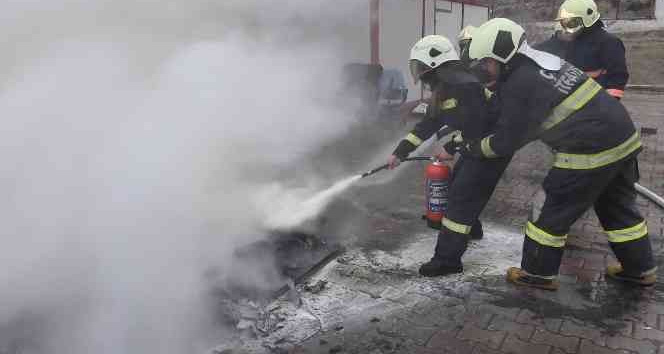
435, 267
476, 232
447, 258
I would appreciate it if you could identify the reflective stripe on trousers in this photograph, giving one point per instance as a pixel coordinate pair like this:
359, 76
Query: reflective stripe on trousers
544, 238
456, 227
600, 159
628, 234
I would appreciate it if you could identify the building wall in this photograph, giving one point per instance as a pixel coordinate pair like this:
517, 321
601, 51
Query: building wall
400, 28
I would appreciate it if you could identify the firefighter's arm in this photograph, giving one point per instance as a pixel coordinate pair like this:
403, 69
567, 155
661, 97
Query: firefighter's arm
513, 132
423, 130
613, 55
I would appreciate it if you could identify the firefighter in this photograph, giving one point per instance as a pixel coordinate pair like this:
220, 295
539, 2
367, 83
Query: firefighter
583, 41
459, 101
596, 144
464, 37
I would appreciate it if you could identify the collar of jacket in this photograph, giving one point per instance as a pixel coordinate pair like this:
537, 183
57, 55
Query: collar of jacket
507, 69
596, 27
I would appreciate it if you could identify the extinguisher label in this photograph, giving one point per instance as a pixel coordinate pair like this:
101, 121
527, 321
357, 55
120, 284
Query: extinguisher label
437, 191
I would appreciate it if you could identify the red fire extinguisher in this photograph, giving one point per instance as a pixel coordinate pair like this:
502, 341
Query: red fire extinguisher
436, 186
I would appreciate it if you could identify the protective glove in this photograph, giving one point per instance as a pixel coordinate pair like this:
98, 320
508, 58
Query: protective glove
455, 145
393, 162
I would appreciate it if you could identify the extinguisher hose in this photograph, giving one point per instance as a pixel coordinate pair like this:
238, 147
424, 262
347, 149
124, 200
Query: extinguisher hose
382, 167
650, 195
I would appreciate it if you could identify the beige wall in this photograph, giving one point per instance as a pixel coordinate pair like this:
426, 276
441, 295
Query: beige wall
401, 27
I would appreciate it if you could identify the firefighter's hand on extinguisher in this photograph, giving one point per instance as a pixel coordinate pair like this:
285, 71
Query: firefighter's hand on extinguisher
393, 162
448, 150
444, 155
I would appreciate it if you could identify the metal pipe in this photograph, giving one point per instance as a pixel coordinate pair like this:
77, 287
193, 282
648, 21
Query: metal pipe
374, 23
650, 195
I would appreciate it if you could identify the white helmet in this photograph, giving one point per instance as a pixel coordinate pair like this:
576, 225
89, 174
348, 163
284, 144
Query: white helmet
573, 15
498, 38
501, 39
429, 53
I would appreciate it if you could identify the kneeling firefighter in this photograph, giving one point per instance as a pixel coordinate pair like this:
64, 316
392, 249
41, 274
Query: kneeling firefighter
595, 143
460, 101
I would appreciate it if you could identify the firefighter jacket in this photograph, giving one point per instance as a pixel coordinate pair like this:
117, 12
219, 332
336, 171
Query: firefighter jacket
565, 109
462, 104
600, 54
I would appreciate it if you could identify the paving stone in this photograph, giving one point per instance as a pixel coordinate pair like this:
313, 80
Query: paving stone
642, 332
567, 279
482, 349
588, 347
480, 319
582, 275
628, 329
640, 346
506, 312
572, 261
445, 342
490, 338
570, 328
568, 344
419, 335
595, 264
654, 307
529, 317
523, 331
424, 350
648, 320
512, 344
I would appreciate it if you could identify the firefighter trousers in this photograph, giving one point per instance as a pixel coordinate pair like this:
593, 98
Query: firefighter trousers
472, 186
569, 194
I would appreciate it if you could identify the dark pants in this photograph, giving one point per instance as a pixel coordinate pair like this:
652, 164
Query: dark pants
569, 194
473, 183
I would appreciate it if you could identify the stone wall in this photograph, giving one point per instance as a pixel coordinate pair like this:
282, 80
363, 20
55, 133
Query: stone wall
546, 10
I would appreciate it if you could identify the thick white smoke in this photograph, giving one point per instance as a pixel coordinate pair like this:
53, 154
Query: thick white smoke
133, 135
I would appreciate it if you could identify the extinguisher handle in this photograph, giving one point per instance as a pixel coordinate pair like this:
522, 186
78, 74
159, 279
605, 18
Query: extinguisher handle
444, 131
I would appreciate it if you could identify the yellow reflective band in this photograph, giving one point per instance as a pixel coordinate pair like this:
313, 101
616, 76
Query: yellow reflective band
572, 103
603, 158
544, 238
448, 103
629, 234
487, 151
488, 93
456, 227
414, 139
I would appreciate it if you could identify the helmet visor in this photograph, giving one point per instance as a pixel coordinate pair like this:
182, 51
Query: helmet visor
571, 25
417, 69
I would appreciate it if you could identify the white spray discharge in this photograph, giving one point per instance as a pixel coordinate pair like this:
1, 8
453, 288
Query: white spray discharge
291, 211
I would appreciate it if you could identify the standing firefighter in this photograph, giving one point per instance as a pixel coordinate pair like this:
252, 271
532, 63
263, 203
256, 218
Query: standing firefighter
464, 38
595, 141
459, 101
583, 42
